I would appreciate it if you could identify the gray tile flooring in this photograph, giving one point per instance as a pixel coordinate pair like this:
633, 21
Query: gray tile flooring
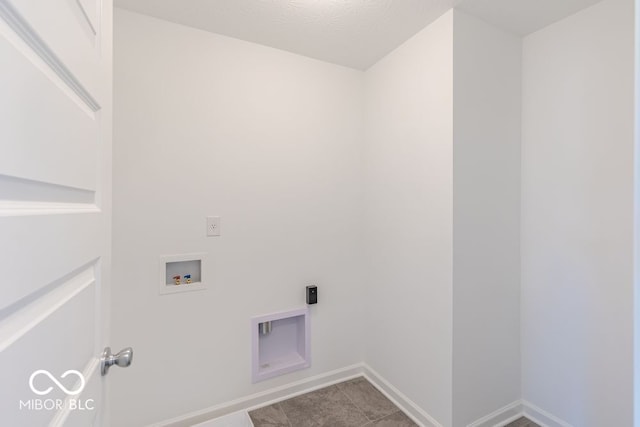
354, 403
522, 422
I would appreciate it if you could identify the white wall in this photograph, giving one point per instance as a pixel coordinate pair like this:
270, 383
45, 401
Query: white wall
271, 142
636, 210
408, 217
486, 218
422, 186
577, 224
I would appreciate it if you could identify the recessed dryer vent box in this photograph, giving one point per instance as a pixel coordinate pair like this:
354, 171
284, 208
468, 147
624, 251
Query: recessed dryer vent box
280, 343
188, 267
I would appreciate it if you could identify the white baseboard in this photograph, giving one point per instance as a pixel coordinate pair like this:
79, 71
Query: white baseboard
413, 411
501, 417
235, 419
288, 391
265, 398
517, 409
542, 417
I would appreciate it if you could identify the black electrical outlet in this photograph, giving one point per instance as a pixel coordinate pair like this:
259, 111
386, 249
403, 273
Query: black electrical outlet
312, 294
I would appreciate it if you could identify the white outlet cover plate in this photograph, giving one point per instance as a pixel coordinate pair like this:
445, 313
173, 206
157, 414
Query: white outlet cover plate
213, 226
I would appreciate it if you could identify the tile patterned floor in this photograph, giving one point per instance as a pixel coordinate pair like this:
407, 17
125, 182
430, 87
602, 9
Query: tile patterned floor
354, 403
522, 422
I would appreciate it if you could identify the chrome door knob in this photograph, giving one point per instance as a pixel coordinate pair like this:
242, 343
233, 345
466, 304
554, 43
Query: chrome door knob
122, 359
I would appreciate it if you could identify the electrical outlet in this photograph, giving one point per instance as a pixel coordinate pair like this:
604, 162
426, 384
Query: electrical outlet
213, 226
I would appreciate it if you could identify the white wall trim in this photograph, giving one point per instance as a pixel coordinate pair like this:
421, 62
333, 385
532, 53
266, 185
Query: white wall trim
498, 418
277, 394
235, 419
542, 417
409, 407
266, 397
517, 409
501, 417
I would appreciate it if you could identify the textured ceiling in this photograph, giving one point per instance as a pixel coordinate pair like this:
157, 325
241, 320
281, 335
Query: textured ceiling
354, 33
523, 16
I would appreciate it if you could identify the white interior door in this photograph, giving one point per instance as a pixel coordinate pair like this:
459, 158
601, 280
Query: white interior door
55, 209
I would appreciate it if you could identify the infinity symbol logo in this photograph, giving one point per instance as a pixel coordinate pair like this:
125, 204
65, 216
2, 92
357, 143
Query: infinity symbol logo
60, 386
